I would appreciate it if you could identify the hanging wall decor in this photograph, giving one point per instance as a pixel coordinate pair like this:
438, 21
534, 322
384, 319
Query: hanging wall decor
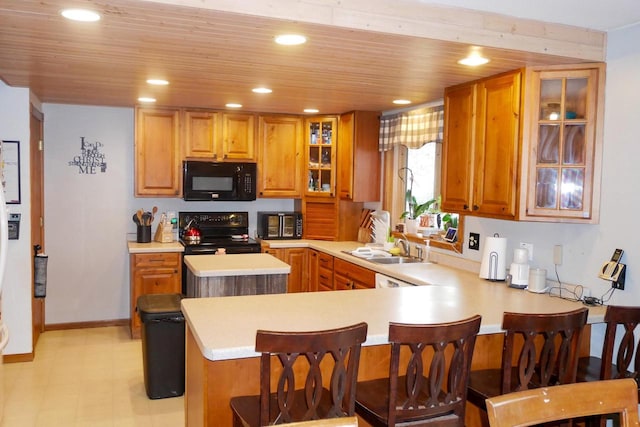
10, 170
90, 159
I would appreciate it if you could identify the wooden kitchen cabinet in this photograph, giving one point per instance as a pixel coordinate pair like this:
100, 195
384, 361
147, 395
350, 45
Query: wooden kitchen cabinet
325, 272
526, 148
481, 149
153, 273
563, 150
200, 134
157, 153
280, 154
297, 259
320, 156
351, 276
219, 136
358, 156
313, 263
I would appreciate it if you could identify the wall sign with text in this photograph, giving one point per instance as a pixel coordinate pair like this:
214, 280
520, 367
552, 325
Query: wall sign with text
91, 159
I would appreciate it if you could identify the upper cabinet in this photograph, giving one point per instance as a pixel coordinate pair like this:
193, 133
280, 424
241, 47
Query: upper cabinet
157, 152
280, 154
358, 156
562, 172
320, 156
525, 148
219, 136
480, 153
238, 136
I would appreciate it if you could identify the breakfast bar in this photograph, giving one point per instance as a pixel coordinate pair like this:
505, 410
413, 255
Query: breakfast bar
221, 360
236, 274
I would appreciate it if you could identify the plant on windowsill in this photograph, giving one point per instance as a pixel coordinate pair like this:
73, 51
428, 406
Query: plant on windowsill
411, 217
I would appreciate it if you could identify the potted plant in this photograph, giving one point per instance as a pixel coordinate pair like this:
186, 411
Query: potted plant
415, 210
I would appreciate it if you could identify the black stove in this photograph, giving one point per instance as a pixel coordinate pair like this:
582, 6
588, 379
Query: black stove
228, 230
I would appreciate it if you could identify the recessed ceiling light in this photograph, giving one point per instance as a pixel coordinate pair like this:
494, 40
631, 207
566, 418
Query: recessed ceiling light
233, 105
311, 110
473, 60
401, 101
291, 39
261, 90
82, 15
146, 99
157, 82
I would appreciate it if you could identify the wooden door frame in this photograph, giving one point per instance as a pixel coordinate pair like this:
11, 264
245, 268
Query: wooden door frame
36, 156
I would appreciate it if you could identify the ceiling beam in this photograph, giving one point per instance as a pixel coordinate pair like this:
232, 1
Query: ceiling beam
414, 18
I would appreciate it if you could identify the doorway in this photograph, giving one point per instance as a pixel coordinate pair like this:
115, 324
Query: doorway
36, 155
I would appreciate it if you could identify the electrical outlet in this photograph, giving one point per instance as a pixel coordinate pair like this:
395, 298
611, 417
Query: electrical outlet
474, 241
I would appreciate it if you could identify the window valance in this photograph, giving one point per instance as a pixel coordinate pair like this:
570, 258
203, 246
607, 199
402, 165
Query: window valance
412, 128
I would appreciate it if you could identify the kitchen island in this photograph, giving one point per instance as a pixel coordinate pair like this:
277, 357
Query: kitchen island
222, 362
235, 274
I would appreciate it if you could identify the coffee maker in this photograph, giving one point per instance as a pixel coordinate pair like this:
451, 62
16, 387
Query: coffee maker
519, 270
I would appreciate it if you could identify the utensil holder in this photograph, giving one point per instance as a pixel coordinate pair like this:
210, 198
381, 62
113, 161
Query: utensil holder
144, 234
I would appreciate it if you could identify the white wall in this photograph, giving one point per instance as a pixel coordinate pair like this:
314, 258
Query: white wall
88, 216
16, 288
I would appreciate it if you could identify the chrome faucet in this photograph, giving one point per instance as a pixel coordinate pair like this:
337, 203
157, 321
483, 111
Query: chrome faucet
405, 246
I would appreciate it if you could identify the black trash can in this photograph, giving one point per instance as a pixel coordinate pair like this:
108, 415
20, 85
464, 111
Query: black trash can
162, 344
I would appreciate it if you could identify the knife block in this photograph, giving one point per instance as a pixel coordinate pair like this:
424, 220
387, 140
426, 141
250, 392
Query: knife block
164, 233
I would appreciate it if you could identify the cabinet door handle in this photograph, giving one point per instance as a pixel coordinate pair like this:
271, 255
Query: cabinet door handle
225, 156
476, 207
465, 207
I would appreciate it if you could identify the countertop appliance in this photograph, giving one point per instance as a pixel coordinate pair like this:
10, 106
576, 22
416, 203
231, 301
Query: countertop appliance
493, 265
218, 181
383, 281
279, 225
519, 270
218, 230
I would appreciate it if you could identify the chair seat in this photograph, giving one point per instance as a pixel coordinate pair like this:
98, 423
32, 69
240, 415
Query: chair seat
372, 404
487, 383
247, 408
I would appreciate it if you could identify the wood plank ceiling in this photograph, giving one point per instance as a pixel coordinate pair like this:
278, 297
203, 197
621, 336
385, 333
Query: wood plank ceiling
212, 58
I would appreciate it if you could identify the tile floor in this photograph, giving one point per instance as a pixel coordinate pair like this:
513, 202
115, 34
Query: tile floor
84, 377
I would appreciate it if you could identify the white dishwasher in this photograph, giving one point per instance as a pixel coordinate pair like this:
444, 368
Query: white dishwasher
383, 281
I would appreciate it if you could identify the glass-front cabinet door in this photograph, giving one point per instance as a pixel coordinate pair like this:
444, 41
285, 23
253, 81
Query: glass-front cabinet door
563, 135
321, 155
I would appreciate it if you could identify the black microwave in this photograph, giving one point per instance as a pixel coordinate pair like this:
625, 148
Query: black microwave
279, 225
218, 181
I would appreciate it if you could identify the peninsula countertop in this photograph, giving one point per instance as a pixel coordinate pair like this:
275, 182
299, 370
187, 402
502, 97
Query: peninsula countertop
252, 264
225, 328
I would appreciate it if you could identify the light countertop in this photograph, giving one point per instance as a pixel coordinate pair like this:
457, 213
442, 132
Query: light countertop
235, 265
225, 328
141, 248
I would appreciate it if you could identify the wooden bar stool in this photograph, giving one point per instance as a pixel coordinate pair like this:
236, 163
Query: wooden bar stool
421, 395
334, 422
302, 355
607, 367
566, 402
548, 354
612, 364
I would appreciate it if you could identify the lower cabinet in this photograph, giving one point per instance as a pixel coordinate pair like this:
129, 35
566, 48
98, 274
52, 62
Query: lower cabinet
351, 276
297, 259
325, 272
313, 270
153, 273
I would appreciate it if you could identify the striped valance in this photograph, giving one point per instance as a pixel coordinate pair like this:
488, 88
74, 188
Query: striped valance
412, 128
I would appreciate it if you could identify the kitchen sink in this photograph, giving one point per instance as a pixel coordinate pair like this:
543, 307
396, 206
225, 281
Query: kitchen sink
393, 260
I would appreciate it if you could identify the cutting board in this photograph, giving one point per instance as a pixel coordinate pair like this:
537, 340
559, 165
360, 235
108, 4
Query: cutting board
364, 229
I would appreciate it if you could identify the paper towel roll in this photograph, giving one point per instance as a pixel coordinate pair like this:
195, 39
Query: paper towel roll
494, 259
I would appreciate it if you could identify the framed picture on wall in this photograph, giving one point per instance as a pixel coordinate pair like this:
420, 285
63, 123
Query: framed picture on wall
10, 169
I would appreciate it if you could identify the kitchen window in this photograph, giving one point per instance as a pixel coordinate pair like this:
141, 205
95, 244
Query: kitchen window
411, 142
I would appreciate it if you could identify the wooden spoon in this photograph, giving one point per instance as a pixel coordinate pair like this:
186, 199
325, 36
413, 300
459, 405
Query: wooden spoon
153, 213
139, 215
